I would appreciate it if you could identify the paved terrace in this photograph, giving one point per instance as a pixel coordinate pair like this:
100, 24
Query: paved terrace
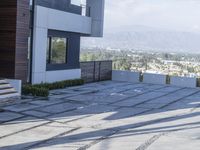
105, 116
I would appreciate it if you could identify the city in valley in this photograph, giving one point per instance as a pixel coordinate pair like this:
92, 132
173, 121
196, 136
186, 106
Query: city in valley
174, 64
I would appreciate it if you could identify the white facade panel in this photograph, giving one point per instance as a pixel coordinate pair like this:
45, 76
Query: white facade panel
96, 9
39, 50
53, 76
38, 77
61, 20
69, 22
41, 17
45, 19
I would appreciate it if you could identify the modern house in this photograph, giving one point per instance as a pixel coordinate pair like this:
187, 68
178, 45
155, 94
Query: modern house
40, 39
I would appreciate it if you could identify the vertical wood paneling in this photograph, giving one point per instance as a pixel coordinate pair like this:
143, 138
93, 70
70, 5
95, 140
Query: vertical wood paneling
14, 30
8, 9
22, 32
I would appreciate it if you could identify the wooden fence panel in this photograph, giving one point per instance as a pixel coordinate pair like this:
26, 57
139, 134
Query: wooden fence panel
95, 71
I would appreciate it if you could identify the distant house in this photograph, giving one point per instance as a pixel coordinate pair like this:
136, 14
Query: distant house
40, 39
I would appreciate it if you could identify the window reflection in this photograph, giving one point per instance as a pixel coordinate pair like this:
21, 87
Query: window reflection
78, 2
56, 50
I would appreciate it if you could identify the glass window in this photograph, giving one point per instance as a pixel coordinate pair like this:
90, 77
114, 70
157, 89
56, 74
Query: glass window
48, 51
57, 50
30, 2
78, 2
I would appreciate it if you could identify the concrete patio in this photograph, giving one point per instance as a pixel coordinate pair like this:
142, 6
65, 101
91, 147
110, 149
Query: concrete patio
105, 116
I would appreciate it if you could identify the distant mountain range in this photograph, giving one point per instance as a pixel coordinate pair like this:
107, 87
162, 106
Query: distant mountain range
147, 38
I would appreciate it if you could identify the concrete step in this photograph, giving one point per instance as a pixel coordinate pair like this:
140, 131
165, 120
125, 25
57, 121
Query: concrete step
5, 86
9, 90
3, 81
9, 95
6, 90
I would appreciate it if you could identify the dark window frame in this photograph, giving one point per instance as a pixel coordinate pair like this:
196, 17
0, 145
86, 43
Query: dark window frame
49, 48
72, 53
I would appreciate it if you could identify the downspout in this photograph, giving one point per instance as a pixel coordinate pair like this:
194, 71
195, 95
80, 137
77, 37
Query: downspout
31, 44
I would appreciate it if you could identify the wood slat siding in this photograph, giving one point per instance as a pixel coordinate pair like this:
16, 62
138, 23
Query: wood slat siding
22, 33
14, 30
96, 71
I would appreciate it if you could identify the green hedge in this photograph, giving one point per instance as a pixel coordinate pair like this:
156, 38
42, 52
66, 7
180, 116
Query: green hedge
168, 79
43, 89
35, 91
141, 77
1, 110
198, 82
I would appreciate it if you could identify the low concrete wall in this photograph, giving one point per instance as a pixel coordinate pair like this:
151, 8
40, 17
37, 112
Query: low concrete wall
183, 81
17, 84
154, 78
127, 76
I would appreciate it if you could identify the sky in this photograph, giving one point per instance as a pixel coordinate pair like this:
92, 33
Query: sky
179, 15
156, 22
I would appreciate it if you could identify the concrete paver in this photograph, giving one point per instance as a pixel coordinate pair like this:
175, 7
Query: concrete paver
21, 107
20, 125
59, 107
107, 115
31, 137
6, 116
36, 113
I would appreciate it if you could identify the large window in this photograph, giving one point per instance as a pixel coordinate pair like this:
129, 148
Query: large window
57, 50
78, 2
30, 2
82, 3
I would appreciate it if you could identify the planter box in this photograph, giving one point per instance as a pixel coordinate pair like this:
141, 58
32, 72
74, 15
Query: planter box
183, 81
154, 78
126, 76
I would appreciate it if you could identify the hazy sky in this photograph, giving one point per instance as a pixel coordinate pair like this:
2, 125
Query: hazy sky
181, 15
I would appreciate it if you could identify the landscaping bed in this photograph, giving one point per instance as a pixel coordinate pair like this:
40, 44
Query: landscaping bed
44, 88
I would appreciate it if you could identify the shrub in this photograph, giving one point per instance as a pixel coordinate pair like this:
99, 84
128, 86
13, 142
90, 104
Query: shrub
198, 82
35, 91
1, 110
141, 77
167, 79
43, 89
